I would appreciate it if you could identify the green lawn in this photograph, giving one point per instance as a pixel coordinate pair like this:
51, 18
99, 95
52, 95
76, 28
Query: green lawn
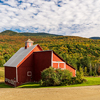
3, 85
90, 81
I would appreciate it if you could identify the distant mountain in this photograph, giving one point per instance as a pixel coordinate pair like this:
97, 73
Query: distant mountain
94, 37
12, 33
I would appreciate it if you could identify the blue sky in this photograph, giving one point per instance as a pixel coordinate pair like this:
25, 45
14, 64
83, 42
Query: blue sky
62, 17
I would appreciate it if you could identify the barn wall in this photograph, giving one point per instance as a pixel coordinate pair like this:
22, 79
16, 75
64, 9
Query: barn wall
10, 75
71, 70
37, 48
55, 58
61, 65
55, 65
42, 60
26, 66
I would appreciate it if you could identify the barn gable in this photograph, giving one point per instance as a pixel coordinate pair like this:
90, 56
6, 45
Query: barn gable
58, 62
56, 57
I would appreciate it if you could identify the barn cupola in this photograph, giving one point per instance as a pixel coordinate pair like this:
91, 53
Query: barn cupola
28, 43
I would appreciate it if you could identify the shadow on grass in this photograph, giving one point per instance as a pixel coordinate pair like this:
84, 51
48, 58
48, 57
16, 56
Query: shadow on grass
30, 85
36, 85
26, 85
3, 85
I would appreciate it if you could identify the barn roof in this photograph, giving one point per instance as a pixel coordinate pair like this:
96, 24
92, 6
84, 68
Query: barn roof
19, 56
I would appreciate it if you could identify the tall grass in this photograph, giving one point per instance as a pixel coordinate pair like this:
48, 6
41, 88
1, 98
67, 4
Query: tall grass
1, 74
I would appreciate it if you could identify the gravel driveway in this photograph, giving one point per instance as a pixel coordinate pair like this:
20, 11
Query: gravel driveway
67, 93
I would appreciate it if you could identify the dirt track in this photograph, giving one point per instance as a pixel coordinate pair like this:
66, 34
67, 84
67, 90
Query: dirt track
73, 93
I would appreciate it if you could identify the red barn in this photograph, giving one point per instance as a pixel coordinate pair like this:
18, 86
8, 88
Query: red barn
28, 62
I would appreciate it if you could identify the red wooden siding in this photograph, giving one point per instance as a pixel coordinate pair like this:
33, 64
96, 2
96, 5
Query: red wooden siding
61, 65
25, 66
55, 58
37, 48
55, 65
42, 60
56, 62
10, 74
71, 70
58, 65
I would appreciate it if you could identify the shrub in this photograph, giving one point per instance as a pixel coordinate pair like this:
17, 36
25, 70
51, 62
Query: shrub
49, 77
79, 78
55, 77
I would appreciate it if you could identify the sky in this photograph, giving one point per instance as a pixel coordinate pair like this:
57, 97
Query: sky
62, 17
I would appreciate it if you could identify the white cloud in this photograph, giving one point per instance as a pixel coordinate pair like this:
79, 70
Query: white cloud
74, 17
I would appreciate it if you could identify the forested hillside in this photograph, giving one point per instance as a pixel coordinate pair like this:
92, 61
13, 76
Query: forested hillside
79, 52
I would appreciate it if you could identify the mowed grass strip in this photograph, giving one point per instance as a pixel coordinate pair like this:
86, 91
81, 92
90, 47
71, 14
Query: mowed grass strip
90, 81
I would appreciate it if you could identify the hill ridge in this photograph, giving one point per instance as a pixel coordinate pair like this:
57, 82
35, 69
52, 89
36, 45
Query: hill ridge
13, 33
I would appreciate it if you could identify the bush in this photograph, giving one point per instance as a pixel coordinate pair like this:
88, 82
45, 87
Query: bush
49, 77
55, 77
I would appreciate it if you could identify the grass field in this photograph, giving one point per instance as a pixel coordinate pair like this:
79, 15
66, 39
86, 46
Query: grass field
1, 74
90, 81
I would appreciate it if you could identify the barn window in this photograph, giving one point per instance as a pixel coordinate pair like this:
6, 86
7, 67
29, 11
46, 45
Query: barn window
59, 64
29, 73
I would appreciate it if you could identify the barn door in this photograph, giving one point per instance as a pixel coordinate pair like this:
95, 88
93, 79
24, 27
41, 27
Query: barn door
29, 76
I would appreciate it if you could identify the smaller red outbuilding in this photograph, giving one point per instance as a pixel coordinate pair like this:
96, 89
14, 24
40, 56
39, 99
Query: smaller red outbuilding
28, 62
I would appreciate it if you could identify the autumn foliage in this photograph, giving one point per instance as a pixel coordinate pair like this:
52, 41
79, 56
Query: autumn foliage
77, 51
